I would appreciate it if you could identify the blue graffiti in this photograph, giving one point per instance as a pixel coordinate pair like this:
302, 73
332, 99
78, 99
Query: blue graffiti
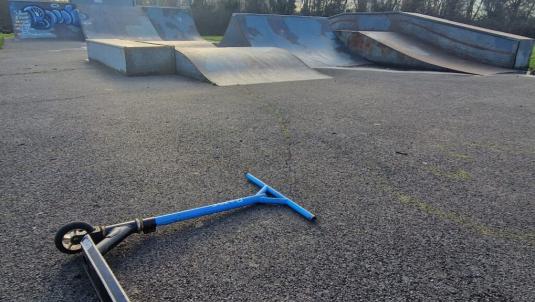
45, 19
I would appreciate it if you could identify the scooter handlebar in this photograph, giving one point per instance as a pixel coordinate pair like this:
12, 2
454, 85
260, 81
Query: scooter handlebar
290, 203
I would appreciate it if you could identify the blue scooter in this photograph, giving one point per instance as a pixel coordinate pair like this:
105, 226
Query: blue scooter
95, 242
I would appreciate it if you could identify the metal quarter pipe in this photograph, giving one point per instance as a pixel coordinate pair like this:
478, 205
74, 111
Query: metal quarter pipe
309, 38
101, 21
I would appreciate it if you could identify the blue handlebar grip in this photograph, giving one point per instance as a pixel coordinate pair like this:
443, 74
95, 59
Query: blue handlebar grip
292, 204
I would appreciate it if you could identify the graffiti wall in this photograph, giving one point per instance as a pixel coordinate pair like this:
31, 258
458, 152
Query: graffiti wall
45, 20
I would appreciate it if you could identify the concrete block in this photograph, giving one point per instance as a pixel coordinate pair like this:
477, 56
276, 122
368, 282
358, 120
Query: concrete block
132, 58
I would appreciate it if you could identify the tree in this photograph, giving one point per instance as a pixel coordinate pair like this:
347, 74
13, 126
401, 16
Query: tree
517, 16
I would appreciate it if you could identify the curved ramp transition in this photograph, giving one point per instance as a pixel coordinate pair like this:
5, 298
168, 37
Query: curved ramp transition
172, 24
396, 49
101, 21
242, 65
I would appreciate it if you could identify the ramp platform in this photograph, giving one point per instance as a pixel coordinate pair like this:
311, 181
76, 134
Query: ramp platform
397, 49
196, 44
101, 21
242, 65
309, 38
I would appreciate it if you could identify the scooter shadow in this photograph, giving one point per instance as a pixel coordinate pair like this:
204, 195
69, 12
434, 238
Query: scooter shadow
70, 283
182, 236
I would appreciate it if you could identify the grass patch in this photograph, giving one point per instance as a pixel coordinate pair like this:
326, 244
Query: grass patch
3, 37
213, 39
458, 219
532, 60
465, 221
458, 175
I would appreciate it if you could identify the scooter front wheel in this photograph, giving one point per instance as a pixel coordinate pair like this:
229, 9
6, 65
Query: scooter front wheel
68, 239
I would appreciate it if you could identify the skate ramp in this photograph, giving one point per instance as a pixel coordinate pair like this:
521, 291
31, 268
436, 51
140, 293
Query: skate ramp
400, 50
116, 22
242, 65
173, 24
472, 43
105, 2
309, 38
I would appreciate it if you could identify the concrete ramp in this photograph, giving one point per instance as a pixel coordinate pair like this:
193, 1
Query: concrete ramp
309, 38
397, 49
173, 24
242, 65
116, 22
465, 41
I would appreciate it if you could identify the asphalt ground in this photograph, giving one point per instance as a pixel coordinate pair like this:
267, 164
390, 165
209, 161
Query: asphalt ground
423, 183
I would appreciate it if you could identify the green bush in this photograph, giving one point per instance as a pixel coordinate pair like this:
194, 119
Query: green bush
532, 61
4, 37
